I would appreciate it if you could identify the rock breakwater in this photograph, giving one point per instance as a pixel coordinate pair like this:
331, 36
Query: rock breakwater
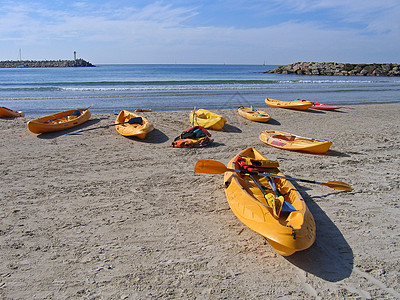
338, 69
44, 63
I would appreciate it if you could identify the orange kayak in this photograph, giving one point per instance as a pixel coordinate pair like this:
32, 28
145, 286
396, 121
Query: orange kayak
138, 130
287, 141
59, 121
9, 113
287, 232
296, 104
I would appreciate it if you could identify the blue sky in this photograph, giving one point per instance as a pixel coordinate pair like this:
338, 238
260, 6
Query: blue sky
194, 31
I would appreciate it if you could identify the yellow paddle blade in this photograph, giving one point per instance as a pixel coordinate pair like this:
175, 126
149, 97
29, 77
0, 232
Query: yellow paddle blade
278, 205
270, 200
338, 185
210, 167
275, 203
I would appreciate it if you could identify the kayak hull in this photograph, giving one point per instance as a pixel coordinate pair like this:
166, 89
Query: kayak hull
253, 115
290, 232
321, 106
297, 104
9, 113
207, 119
287, 141
59, 121
137, 130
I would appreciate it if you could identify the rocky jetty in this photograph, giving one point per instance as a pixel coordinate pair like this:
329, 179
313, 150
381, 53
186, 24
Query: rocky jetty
338, 69
45, 63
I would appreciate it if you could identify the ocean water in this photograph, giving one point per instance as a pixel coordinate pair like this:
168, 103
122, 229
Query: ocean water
110, 88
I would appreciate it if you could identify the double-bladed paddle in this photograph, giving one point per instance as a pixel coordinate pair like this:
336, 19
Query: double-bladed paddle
215, 167
137, 120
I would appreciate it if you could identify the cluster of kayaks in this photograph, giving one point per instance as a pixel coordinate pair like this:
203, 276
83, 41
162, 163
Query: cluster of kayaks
257, 192
201, 117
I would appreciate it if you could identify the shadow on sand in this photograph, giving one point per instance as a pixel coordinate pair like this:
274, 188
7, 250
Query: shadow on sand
155, 136
56, 134
274, 122
331, 257
231, 128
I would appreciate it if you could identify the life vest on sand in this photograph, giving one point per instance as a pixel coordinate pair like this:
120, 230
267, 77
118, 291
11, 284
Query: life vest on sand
196, 136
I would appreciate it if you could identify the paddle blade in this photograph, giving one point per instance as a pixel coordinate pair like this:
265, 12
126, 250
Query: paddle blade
338, 185
136, 120
210, 167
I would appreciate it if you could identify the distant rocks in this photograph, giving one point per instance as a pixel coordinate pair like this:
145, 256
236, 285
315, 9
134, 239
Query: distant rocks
45, 63
338, 69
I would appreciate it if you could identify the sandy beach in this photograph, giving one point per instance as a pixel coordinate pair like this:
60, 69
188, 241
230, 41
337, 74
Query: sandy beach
101, 216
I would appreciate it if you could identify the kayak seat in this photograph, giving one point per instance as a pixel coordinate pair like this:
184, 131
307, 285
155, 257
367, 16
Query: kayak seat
285, 138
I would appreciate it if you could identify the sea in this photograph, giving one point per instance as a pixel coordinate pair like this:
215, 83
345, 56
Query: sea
167, 87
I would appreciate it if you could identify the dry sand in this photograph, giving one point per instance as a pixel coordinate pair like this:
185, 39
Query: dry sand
100, 216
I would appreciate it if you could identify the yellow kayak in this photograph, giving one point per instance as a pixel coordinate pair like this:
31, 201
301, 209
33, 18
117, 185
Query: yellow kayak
138, 130
59, 121
287, 141
9, 113
288, 229
207, 119
297, 104
253, 115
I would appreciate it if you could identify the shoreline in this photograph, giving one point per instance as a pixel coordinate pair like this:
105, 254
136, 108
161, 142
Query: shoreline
100, 215
100, 111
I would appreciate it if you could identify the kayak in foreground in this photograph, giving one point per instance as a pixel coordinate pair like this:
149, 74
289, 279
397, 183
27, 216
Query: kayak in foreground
59, 121
287, 141
270, 206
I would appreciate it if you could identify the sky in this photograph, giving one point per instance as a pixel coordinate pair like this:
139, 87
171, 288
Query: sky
272, 32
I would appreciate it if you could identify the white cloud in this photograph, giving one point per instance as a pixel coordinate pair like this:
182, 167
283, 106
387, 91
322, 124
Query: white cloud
378, 16
159, 33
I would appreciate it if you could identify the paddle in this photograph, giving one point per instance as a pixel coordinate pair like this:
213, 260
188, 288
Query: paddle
137, 120
276, 203
254, 109
194, 115
215, 167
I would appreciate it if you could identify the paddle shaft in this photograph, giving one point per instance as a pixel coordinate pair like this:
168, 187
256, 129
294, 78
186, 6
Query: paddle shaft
304, 137
261, 189
105, 126
331, 184
275, 176
208, 166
